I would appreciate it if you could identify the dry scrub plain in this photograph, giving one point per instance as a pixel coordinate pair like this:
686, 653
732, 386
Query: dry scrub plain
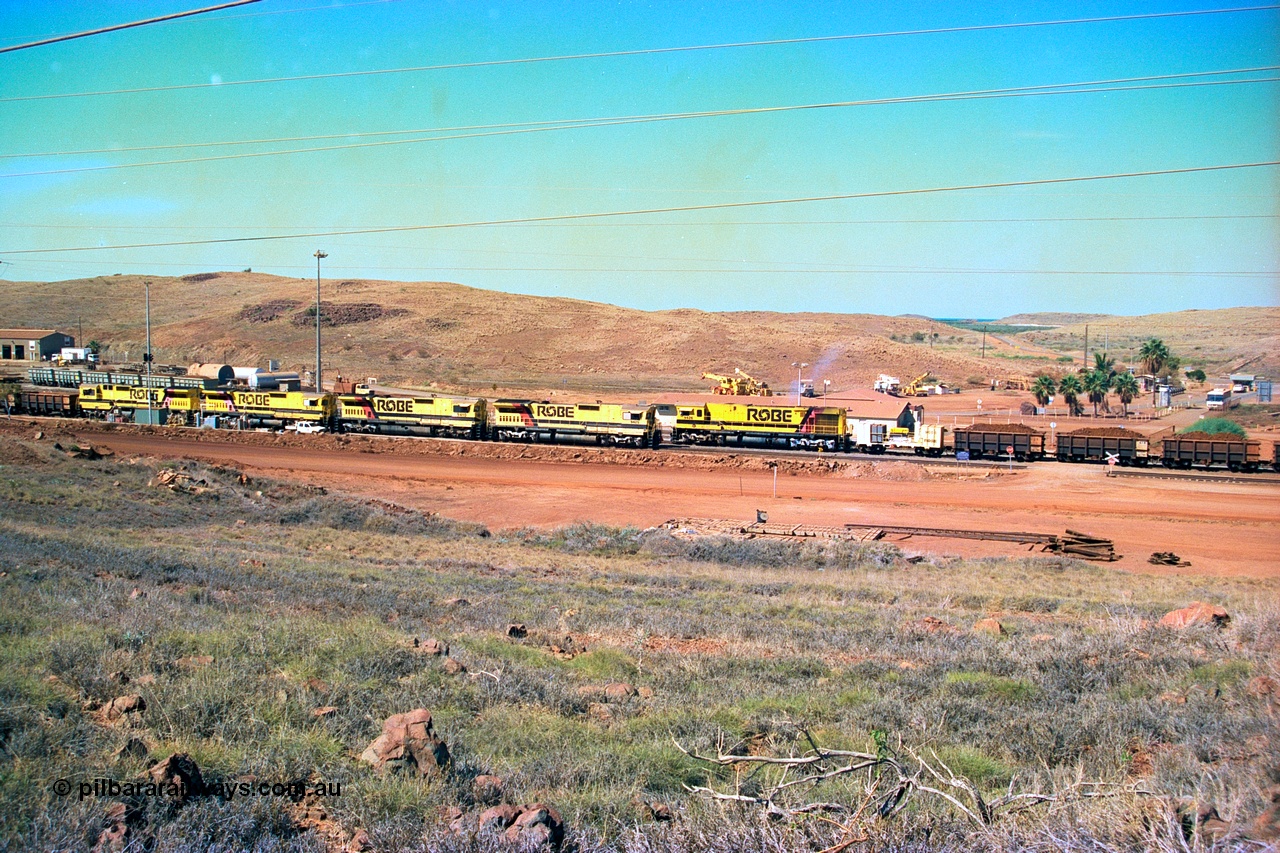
268, 631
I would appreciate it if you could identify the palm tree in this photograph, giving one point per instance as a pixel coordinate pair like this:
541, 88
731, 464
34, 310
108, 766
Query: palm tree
1126, 385
1154, 355
1070, 389
1096, 384
1103, 362
1044, 388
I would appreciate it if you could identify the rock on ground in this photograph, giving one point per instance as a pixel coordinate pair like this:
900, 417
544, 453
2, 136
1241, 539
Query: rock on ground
1197, 613
407, 742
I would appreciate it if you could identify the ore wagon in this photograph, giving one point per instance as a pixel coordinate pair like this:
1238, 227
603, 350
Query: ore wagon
49, 402
1236, 454
1095, 445
994, 440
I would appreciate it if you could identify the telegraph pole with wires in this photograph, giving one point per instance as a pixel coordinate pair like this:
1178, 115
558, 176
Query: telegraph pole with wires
319, 384
146, 357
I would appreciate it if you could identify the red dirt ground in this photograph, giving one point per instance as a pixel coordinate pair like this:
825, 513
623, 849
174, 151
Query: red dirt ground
1222, 529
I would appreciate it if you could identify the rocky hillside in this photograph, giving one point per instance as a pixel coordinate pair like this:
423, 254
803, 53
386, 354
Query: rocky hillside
420, 333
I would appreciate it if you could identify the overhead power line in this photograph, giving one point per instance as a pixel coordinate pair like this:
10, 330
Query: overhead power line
572, 217
779, 268
650, 51
114, 27
1004, 220
328, 7
582, 124
1047, 88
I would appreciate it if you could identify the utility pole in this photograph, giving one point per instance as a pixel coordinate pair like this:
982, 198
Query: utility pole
984, 341
146, 357
319, 384
1086, 346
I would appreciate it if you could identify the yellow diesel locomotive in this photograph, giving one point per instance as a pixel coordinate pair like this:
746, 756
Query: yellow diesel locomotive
812, 427
269, 408
607, 423
175, 405
378, 413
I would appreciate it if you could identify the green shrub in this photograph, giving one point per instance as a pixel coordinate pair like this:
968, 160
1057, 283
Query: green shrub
1216, 426
976, 766
604, 664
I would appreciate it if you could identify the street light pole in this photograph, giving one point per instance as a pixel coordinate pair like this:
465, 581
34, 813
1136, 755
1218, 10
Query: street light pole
799, 366
146, 358
319, 384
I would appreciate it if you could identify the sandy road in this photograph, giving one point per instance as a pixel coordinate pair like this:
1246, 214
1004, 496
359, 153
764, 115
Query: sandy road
1221, 529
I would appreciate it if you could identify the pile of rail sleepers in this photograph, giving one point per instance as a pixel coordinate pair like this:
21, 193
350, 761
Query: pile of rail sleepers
1077, 544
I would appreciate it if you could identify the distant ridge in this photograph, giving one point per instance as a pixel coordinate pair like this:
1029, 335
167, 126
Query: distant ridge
470, 340
1052, 318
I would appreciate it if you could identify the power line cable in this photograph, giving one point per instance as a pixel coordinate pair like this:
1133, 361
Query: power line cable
832, 269
332, 7
569, 217
1088, 85
772, 223
115, 27
612, 122
650, 51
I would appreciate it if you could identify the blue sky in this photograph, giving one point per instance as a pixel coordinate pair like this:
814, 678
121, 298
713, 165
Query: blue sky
1134, 245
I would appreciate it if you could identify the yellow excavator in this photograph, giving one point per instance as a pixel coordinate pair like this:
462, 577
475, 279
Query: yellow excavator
739, 384
915, 388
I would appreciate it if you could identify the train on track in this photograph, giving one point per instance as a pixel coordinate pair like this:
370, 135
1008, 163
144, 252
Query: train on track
358, 409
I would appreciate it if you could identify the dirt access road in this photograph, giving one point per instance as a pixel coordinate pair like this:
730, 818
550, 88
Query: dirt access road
1221, 529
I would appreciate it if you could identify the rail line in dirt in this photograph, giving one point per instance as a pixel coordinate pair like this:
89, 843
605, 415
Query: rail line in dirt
1233, 479
1220, 529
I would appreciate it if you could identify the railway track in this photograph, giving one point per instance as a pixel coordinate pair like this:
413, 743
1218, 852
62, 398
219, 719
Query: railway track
1164, 474
774, 453
941, 462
